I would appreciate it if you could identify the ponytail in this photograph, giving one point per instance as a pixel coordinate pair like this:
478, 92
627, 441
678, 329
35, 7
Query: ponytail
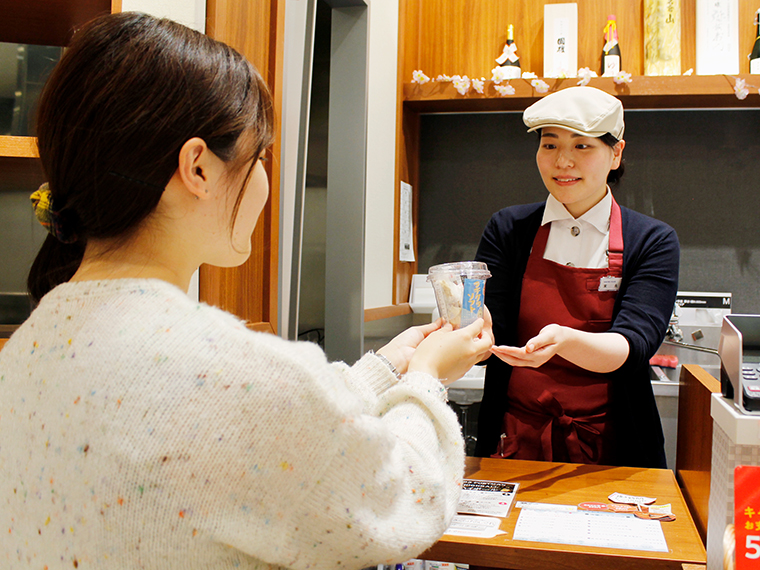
55, 263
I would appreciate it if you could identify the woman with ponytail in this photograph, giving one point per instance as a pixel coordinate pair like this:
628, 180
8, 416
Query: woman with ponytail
141, 429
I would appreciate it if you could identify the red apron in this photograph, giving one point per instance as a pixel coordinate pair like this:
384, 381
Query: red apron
559, 411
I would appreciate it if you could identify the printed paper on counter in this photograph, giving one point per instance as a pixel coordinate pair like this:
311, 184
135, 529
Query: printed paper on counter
405, 231
586, 528
545, 506
477, 527
490, 498
631, 499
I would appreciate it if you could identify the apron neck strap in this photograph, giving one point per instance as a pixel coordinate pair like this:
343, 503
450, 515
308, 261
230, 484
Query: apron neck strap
616, 240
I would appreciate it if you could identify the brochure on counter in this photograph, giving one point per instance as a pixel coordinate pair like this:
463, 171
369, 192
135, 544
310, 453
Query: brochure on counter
489, 498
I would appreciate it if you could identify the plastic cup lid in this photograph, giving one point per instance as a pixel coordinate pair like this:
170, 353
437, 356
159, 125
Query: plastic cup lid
469, 269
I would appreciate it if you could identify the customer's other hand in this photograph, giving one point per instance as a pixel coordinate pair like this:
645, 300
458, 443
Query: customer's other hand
400, 350
448, 354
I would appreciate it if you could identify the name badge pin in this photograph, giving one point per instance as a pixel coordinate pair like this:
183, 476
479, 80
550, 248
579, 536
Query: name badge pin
610, 283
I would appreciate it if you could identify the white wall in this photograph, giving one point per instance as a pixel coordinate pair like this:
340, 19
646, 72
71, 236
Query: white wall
381, 153
191, 13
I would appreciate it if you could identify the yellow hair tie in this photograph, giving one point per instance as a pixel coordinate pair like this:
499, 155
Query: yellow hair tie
42, 202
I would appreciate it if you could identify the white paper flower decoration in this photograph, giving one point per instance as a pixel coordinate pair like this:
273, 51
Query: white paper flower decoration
499, 74
585, 74
740, 88
461, 84
689, 71
622, 77
443, 78
478, 84
529, 75
419, 77
504, 90
539, 85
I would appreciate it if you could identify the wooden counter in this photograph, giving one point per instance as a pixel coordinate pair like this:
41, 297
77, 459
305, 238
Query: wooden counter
571, 484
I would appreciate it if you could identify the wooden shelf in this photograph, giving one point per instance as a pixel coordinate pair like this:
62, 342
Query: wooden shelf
18, 147
644, 92
46, 22
20, 165
386, 312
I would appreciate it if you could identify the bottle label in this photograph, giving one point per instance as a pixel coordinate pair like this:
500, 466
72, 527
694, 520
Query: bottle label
754, 66
611, 65
508, 54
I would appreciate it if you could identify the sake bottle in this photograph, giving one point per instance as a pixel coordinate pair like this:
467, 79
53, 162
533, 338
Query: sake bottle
754, 57
509, 59
611, 49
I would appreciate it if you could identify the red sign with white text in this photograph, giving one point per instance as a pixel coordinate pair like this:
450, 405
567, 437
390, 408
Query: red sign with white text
747, 517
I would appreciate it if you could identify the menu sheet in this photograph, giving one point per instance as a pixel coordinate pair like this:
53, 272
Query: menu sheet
586, 528
490, 498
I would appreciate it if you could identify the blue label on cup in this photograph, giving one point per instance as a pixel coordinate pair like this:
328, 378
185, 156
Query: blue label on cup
472, 301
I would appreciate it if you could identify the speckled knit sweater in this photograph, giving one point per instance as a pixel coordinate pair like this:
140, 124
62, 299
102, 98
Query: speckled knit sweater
142, 430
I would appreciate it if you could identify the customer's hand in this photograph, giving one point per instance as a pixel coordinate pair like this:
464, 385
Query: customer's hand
448, 354
400, 350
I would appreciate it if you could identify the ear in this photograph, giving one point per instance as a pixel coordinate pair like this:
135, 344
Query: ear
617, 152
195, 165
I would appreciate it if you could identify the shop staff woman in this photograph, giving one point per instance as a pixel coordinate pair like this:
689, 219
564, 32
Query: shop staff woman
581, 294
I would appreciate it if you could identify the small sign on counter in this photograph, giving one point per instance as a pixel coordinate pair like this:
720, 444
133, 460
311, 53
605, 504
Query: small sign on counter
490, 498
747, 516
474, 526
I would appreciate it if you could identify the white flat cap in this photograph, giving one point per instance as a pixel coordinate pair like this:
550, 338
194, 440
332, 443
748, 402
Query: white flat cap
584, 110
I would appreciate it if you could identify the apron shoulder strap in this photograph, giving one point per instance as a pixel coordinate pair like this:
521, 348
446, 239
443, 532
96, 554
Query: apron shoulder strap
616, 241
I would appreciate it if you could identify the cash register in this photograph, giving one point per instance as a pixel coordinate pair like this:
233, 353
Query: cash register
739, 352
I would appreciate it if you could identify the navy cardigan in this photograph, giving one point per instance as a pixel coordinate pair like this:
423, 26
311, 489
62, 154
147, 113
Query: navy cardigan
642, 310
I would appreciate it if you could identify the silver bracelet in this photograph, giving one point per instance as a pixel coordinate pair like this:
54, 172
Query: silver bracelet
388, 363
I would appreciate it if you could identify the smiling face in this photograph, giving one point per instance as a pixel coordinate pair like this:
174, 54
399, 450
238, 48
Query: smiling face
574, 167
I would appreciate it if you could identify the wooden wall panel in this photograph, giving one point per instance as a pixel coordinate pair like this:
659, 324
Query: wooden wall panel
465, 37
255, 28
407, 150
694, 441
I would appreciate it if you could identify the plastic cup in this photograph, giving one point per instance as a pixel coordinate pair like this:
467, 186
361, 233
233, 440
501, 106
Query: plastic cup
459, 290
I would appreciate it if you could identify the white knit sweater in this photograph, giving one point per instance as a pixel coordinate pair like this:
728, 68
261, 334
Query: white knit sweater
142, 430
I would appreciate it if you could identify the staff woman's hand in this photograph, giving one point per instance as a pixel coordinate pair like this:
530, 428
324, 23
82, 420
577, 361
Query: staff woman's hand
536, 351
596, 352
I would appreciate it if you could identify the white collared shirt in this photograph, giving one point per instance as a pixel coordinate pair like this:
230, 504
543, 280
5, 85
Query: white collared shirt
578, 242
